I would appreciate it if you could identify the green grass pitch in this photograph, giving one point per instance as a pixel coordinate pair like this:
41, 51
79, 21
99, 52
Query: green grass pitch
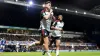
53, 54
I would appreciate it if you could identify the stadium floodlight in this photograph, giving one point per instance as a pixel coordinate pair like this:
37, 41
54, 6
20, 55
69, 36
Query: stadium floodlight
75, 11
43, 5
66, 9
16, 0
84, 12
55, 7
30, 3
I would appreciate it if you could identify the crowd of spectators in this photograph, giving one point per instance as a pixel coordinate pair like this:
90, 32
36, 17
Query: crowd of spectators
26, 38
19, 31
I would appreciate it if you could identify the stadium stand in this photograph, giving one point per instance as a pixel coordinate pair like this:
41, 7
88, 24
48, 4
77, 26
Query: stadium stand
24, 36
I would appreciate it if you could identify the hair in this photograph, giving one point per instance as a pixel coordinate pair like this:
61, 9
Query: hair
61, 15
47, 2
58, 17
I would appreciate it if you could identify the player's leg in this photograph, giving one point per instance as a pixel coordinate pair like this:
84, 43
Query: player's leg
46, 42
57, 45
54, 46
54, 49
40, 42
51, 42
46, 47
17, 49
3, 47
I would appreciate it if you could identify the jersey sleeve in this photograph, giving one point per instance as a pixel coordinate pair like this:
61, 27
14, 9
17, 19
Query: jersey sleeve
54, 23
62, 24
41, 25
53, 19
43, 13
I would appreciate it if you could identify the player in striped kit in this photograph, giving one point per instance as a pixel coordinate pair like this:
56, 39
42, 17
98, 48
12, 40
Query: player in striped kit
45, 25
57, 26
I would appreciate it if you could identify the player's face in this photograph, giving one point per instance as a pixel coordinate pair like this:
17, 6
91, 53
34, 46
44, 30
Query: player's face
60, 17
48, 5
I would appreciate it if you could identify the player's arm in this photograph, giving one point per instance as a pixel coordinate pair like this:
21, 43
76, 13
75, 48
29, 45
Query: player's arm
53, 25
54, 28
46, 15
60, 29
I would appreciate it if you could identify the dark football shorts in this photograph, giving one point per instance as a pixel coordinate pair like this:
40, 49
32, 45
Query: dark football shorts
54, 40
44, 33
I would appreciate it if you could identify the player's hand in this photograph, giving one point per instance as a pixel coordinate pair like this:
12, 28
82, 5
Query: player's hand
52, 13
52, 27
51, 10
59, 29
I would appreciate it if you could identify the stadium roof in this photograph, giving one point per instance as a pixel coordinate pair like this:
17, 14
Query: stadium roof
16, 15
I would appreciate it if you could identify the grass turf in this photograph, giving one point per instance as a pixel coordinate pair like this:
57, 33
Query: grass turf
53, 54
